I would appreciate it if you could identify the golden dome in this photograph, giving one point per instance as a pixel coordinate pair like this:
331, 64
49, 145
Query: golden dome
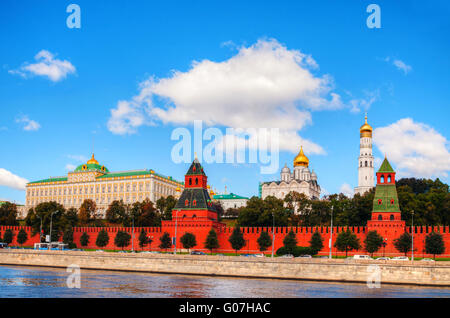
366, 129
178, 189
301, 159
92, 161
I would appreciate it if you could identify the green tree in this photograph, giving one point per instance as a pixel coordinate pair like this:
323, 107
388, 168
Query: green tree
188, 241
8, 236
71, 217
115, 212
347, 241
264, 241
102, 239
8, 214
87, 211
260, 212
148, 215
316, 243
434, 244
165, 206
373, 242
122, 239
290, 242
212, 241
84, 239
143, 239
237, 239
68, 237
165, 240
403, 243
22, 237
49, 212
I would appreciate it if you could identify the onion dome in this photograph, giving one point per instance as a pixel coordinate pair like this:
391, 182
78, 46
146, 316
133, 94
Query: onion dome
301, 159
366, 129
178, 189
285, 169
92, 165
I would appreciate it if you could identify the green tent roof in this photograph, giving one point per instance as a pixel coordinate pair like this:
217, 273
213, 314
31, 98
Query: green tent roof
386, 166
230, 196
91, 167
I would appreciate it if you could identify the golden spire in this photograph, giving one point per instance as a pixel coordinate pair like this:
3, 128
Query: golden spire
366, 129
92, 160
301, 159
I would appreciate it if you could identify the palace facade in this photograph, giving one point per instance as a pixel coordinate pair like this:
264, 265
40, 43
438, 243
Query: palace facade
94, 181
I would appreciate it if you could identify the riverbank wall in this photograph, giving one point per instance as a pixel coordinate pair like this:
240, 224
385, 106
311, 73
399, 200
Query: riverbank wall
336, 270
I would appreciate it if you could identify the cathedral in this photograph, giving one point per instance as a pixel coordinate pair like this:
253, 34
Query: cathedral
365, 160
301, 180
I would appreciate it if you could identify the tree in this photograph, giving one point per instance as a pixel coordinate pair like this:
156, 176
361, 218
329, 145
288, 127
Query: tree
237, 239
115, 211
148, 215
403, 243
165, 240
264, 241
212, 241
49, 212
260, 212
165, 206
84, 239
316, 243
8, 236
71, 217
347, 241
143, 239
102, 239
290, 242
87, 211
8, 214
122, 239
373, 242
22, 237
434, 244
68, 237
188, 241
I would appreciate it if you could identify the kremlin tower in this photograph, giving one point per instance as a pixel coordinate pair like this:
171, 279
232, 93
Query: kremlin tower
365, 160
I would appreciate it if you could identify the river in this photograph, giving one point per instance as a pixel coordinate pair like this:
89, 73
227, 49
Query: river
17, 281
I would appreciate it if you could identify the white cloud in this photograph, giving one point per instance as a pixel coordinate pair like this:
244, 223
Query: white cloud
10, 180
347, 190
400, 65
79, 158
46, 65
358, 104
70, 167
263, 85
28, 124
416, 149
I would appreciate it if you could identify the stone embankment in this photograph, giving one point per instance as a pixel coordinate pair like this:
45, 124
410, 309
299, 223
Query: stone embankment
338, 270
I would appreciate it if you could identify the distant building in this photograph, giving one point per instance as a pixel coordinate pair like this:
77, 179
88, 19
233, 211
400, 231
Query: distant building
231, 201
94, 181
301, 180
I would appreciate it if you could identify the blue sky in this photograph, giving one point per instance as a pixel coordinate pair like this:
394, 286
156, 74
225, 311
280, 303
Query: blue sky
399, 74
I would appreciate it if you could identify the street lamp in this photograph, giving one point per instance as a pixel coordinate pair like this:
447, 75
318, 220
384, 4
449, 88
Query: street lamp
273, 233
384, 246
412, 236
51, 220
331, 233
40, 233
132, 236
176, 224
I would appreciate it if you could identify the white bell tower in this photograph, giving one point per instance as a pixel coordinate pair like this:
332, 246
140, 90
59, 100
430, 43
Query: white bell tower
365, 160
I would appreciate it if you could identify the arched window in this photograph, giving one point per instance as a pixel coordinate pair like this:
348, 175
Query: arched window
380, 218
382, 179
371, 164
389, 179
392, 201
186, 202
194, 202
190, 181
360, 164
380, 201
196, 180
366, 163
392, 217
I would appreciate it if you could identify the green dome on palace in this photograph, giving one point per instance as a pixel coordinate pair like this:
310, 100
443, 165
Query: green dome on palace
91, 165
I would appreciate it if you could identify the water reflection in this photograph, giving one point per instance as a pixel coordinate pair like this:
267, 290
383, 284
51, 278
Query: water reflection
47, 282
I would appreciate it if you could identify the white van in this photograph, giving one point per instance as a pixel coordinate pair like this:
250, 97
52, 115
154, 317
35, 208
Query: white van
361, 257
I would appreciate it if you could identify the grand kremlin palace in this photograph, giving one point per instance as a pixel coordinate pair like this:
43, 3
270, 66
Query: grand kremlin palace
94, 181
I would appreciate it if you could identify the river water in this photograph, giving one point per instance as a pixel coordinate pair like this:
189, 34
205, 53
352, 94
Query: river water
49, 282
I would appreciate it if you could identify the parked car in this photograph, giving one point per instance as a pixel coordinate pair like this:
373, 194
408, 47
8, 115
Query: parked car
259, 255
383, 258
361, 257
304, 256
427, 260
323, 256
3, 245
122, 252
197, 253
287, 256
99, 250
400, 258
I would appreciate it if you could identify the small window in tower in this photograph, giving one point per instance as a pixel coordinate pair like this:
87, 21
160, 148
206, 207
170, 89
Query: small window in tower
380, 217
366, 163
392, 217
190, 181
382, 179
380, 202
194, 202
186, 202
360, 164
194, 168
196, 180
389, 179
392, 201
371, 164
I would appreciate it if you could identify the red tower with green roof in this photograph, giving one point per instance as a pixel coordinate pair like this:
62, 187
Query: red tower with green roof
386, 210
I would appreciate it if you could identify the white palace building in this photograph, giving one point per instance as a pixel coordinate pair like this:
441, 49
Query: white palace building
94, 181
301, 180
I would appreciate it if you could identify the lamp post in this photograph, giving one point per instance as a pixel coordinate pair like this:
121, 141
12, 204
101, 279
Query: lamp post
132, 236
412, 236
176, 224
51, 220
331, 233
384, 246
273, 233
40, 233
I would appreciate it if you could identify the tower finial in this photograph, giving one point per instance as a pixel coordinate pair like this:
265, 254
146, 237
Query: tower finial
365, 118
